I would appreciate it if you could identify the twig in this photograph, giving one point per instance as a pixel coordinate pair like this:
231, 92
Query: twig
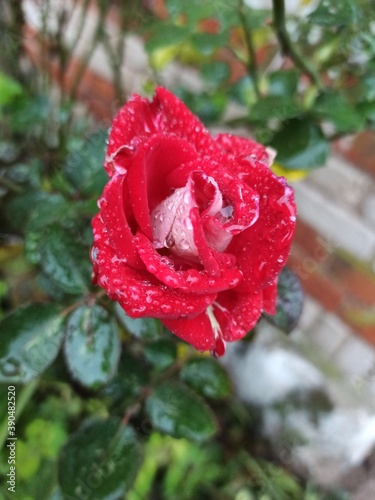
252, 62
287, 46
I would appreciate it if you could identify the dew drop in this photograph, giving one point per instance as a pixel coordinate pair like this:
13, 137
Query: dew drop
10, 367
166, 308
184, 245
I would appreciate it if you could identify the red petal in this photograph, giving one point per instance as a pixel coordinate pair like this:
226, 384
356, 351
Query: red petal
139, 294
196, 331
263, 249
175, 118
139, 119
133, 124
270, 298
191, 280
240, 146
153, 162
111, 223
237, 313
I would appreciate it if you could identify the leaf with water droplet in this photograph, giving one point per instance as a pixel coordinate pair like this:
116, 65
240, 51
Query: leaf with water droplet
161, 353
207, 377
92, 346
176, 410
65, 261
289, 302
100, 461
30, 340
144, 328
83, 167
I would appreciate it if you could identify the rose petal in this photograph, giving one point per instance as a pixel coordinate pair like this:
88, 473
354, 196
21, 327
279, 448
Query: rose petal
195, 331
187, 281
112, 224
263, 249
240, 146
177, 119
140, 294
270, 298
237, 313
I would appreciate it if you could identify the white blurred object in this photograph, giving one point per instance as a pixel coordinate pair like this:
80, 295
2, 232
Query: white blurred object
315, 419
298, 7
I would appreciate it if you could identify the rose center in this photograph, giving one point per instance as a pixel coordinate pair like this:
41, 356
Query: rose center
171, 219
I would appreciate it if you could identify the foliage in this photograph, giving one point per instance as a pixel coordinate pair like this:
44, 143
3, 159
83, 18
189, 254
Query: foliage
109, 406
319, 90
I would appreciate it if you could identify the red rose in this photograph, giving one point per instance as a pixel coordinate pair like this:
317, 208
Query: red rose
193, 230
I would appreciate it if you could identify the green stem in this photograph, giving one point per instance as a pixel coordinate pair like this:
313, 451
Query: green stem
21, 401
287, 46
252, 62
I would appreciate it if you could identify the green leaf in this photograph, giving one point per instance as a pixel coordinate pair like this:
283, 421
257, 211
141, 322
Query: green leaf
300, 144
30, 340
207, 43
9, 90
206, 376
127, 385
92, 346
334, 108
100, 461
84, 166
65, 261
333, 13
273, 106
194, 10
142, 328
161, 353
215, 73
256, 18
166, 35
48, 209
289, 302
283, 83
208, 106
177, 411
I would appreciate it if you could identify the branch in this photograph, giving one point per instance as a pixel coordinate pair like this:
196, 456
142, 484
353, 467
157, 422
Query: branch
287, 46
252, 62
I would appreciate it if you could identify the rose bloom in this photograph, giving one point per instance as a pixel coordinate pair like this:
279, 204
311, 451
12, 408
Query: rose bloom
192, 229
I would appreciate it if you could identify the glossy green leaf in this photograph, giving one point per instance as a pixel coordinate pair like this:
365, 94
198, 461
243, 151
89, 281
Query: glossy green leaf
92, 346
333, 13
215, 73
207, 43
84, 165
47, 210
209, 107
300, 144
274, 106
289, 301
194, 10
131, 378
283, 83
161, 353
143, 328
256, 18
100, 461
176, 410
9, 89
206, 376
30, 340
166, 36
334, 108
65, 261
